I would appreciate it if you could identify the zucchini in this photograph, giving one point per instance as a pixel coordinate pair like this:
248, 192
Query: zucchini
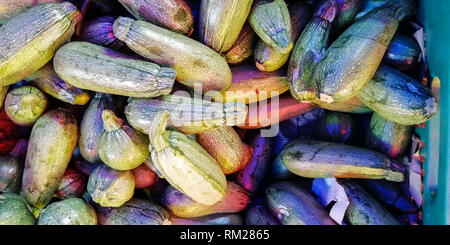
10, 8
226, 147
72, 211
250, 85
272, 23
222, 21
336, 127
52, 142
48, 81
251, 177
24, 105
175, 15
242, 47
185, 164
353, 58
403, 53
189, 115
363, 209
294, 206
389, 138
121, 147
92, 126
235, 200
317, 159
192, 61
89, 66
308, 51
398, 98
14, 210
134, 212
109, 187
268, 58
30, 39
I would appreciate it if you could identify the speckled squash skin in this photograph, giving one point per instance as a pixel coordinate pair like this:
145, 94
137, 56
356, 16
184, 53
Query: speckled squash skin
308, 51
24, 105
11, 170
140, 113
185, 164
92, 126
403, 53
242, 48
235, 200
119, 146
14, 210
52, 142
109, 187
192, 61
270, 59
398, 98
72, 211
10, 8
222, 21
272, 23
320, 159
134, 212
389, 138
363, 208
226, 147
48, 81
294, 206
89, 66
353, 58
26, 51
175, 15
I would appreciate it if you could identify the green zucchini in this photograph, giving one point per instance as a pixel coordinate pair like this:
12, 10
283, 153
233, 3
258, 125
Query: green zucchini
109, 187
92, 126
222, 21
52, 142
294, 206
196, 117
193, 62
14, 210
235, 200
389, 138
48, 81
30, 39
89, 66
185, 164
134, 212
308, 51
121, 147
353, 58
175, 15
10, 173
272, 23
271, 59
24, 105
398, 98
317, 159
72, 211
363, 209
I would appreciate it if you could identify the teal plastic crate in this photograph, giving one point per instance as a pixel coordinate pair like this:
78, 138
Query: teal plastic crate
435, 16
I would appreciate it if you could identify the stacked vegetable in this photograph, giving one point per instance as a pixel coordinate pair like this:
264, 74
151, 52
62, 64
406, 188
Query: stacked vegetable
155, 111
